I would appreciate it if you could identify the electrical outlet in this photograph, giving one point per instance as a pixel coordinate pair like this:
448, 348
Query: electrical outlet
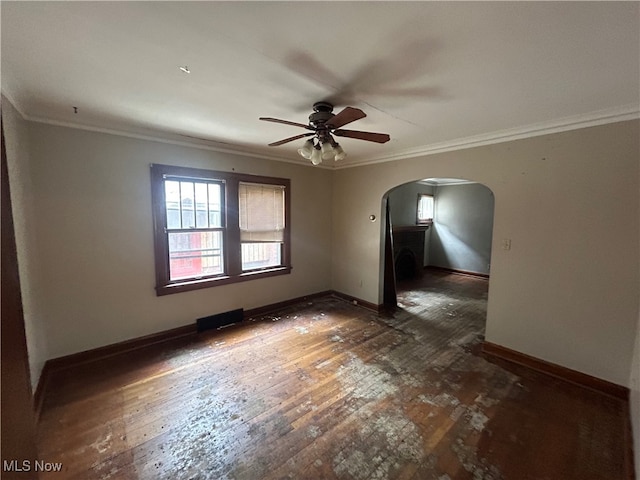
506, 244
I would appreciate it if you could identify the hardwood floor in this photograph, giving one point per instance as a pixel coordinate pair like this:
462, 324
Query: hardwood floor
328, 390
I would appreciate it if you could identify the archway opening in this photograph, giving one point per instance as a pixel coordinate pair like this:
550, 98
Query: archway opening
442, 254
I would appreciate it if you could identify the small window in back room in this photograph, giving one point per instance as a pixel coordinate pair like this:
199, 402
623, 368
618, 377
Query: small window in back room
425, 209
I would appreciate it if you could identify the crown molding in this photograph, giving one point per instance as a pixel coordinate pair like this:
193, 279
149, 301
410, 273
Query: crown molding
188, 141
18, 108
600, 117
191, 142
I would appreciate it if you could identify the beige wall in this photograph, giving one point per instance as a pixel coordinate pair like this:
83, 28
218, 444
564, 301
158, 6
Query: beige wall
567, 291
92, 210
18, 161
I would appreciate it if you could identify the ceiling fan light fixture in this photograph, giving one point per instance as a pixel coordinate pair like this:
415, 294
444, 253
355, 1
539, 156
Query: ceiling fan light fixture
307, 149
316, 157
324, 124
327, 151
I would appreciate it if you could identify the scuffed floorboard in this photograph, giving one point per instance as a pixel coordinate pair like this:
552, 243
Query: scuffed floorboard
327, 390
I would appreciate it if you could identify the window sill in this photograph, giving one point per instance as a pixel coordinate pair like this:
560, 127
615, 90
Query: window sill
189, 285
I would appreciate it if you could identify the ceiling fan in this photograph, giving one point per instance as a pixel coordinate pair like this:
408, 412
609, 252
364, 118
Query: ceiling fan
324, 125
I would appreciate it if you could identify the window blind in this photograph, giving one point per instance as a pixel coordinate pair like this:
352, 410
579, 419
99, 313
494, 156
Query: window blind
261, 212
425, 208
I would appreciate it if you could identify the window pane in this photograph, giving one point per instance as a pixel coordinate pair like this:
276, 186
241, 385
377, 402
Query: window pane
201, 205
261, 255
186, 201
215, 205
195, 254
172, 203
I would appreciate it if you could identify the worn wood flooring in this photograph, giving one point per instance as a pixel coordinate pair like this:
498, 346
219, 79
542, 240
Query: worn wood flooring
329, 390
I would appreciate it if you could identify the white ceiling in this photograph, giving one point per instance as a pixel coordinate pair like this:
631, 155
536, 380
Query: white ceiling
433, 75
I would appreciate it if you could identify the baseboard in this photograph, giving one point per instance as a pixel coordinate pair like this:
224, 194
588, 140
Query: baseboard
557, 371
357, 301
577, 378
287, 303
458, 271
87, 356
41, 387
255, 312
99, 353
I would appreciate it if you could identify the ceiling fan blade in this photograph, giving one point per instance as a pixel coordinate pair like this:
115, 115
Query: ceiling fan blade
290, 139
286, 122
368, 136
348, 115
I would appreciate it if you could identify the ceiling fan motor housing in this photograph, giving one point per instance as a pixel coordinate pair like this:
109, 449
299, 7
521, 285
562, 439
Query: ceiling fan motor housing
322, 111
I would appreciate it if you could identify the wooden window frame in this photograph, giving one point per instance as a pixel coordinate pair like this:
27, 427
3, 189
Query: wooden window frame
232, 259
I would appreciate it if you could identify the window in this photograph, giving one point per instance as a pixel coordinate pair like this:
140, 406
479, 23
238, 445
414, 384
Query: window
425, 209
194, 228
261, 213
213, 228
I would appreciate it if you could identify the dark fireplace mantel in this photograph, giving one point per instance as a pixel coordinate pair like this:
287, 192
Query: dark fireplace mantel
408, 250
410, 228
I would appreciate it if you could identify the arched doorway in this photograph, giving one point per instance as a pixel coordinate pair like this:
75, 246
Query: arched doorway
453, 238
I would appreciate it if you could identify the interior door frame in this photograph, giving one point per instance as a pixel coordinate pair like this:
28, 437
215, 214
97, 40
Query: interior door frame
18, 441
